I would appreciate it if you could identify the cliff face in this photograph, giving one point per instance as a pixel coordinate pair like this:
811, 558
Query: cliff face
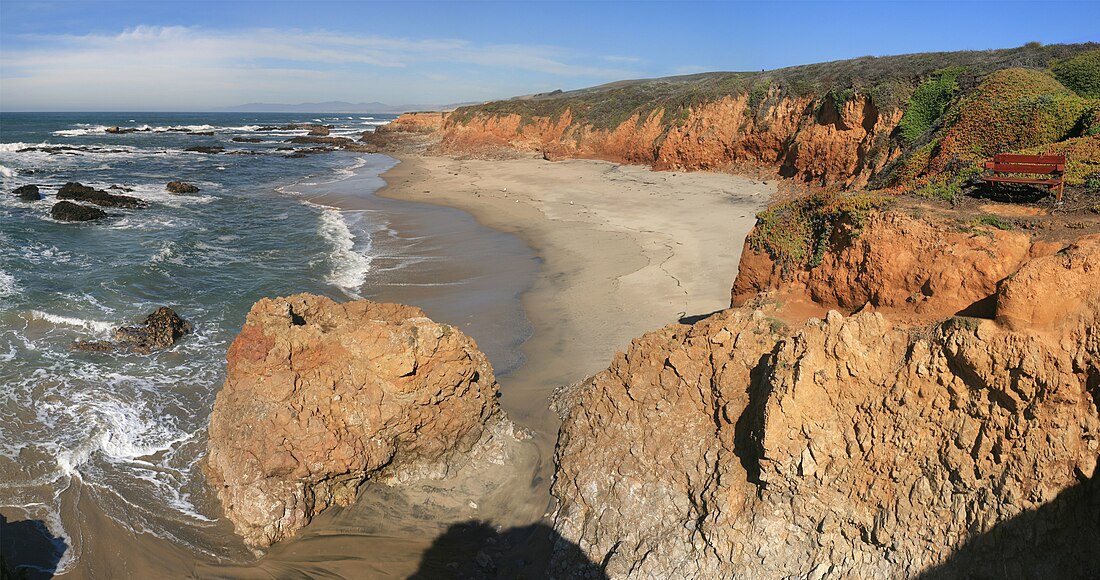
919, 270
320, 397
849, 447
807, 138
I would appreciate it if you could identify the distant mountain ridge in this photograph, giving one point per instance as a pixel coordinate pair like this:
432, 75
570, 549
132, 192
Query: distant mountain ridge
336, 107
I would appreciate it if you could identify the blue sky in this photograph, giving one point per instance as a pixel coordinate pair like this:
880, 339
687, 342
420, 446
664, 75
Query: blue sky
201, 54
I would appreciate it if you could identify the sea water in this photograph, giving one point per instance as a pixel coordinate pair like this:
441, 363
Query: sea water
130, 428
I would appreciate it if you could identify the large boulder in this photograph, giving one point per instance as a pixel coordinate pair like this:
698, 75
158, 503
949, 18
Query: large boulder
67, 211
27, 193
320, 397
79, 192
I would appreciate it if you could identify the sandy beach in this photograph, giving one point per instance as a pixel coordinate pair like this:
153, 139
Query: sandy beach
624, 250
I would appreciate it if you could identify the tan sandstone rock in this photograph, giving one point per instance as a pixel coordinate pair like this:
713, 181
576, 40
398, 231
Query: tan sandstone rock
848, 447
321, 396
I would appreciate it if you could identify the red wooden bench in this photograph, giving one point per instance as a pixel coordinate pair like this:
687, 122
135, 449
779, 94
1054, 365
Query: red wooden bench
1006, 164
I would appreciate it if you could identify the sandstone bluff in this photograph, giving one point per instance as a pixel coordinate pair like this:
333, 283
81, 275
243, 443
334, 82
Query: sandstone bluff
849, 446
320, 397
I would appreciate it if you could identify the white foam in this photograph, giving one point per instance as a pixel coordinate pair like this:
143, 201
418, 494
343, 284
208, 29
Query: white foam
83, 130
12, 147
8, 286
8, 172
349, 268
93, 325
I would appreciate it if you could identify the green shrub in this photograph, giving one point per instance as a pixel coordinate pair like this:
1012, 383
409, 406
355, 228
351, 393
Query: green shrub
1080, 73
994, 221
797, 233
928, 103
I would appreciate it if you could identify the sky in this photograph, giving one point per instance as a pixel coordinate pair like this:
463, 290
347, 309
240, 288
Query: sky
195, 55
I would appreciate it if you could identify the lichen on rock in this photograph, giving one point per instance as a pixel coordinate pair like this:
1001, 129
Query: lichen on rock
321, 396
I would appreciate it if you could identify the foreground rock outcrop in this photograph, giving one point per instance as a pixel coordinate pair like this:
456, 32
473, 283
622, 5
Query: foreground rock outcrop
850, 446
320, 397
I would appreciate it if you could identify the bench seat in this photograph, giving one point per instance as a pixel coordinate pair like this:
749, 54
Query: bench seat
1022, 180
1052, 166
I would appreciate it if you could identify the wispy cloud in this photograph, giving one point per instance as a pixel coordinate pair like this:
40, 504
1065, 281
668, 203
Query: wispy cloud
178, 66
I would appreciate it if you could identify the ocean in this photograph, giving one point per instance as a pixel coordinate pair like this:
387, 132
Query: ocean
126, 432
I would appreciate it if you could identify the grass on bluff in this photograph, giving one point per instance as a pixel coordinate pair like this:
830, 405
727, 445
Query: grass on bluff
890, 81
797, 233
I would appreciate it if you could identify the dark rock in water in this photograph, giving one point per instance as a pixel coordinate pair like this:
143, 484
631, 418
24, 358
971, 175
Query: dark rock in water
181, 187
207, 133
80, 192
246, 140
318, 130
122, 189
159, 330
28, 193
300, 153
205, 149
325, 140
67, 211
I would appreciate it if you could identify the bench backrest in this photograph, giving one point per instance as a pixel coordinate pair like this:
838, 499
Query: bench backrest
1016, 163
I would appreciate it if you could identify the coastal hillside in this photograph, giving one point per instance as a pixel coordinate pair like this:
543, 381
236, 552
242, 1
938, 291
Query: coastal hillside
916, 122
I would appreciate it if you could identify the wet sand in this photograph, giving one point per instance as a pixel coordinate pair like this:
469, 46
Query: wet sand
611, 252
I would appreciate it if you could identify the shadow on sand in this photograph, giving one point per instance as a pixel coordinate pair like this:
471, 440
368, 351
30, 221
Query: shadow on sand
475, 549
28, 551
1061, 539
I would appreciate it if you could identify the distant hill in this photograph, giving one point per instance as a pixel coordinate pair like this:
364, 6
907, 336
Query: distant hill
336, 107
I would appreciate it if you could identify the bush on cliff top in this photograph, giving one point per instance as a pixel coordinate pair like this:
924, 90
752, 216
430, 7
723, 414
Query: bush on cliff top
1081, 73
797, 233
928, 103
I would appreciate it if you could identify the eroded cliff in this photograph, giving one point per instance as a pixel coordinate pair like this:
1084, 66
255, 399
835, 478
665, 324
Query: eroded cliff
852, 446
820, 140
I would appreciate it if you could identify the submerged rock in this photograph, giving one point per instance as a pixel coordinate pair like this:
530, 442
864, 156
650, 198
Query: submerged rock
320, 397
27, 193
67, 211
159, 330
181, 187
79, 192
